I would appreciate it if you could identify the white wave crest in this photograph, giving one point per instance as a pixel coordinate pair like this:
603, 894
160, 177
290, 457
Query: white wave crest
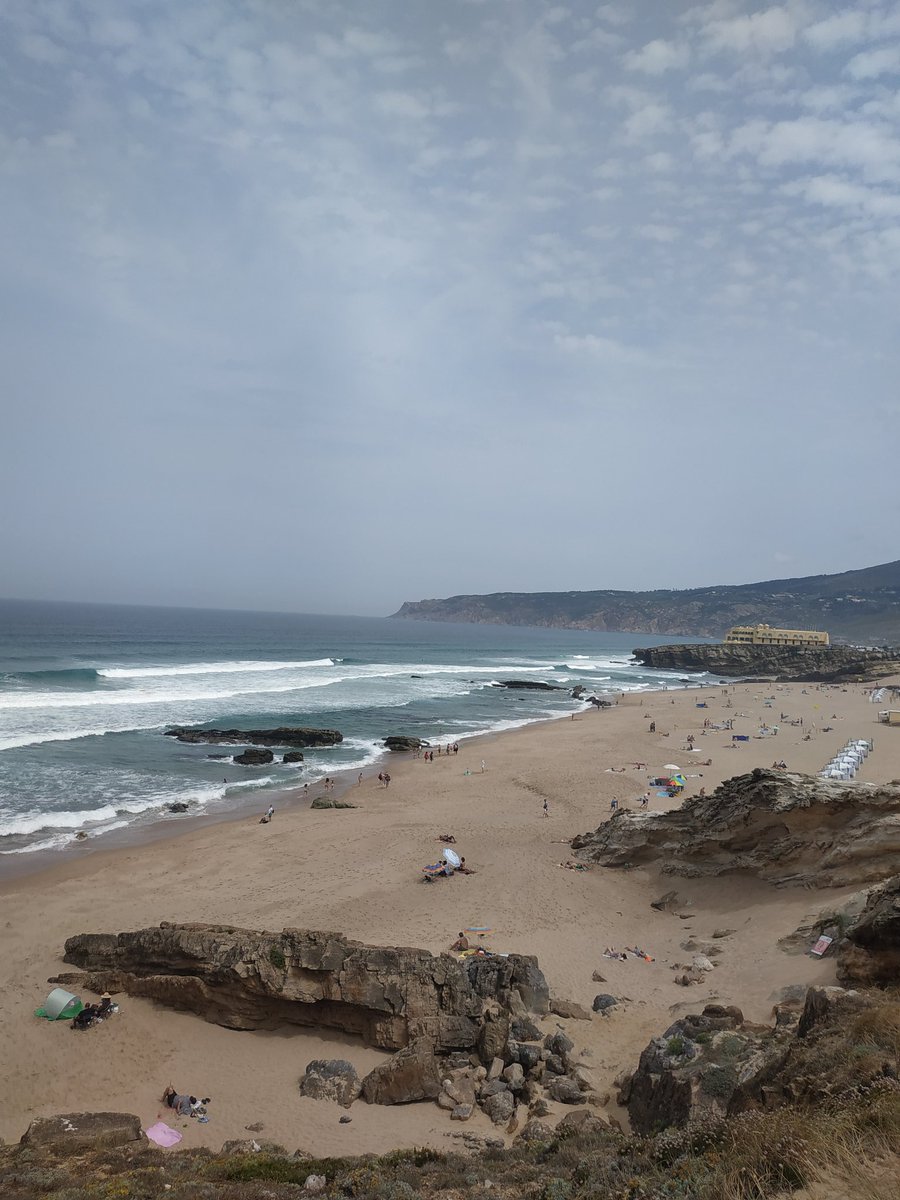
242, 666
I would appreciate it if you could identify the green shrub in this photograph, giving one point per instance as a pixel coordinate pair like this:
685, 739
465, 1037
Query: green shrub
676, 1046
277, 959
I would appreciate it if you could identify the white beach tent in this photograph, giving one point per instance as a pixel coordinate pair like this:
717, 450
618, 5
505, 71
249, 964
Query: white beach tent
60, 1005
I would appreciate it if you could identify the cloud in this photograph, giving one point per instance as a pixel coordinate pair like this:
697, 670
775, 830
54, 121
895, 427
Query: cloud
772, 31
832, 191
873, 63
657, 57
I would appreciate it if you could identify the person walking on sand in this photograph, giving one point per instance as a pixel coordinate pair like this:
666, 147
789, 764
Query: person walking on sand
546, 807
483, 766
270, 812
359, 779
614, 805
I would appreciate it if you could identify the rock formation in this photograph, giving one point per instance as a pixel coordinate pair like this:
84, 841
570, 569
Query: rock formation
870, 953
779, 826
713, 1065
255, 758
283, 736
74, 1133
399, 742
534, 685
819, 664
244, 979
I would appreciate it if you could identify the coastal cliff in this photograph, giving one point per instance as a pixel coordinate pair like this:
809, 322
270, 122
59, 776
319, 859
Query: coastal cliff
854, 606
814, 664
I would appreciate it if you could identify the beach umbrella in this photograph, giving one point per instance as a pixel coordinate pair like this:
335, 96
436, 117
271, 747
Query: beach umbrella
451, 856
671, 767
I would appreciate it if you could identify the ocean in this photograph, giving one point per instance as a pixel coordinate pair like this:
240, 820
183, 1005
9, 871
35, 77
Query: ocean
86, 692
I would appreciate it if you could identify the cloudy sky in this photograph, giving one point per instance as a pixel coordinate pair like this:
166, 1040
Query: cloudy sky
322, 305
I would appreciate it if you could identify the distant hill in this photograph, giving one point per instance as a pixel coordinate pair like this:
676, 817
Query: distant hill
855, 606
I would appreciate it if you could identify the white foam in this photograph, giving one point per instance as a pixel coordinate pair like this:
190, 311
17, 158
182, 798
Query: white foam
242, 666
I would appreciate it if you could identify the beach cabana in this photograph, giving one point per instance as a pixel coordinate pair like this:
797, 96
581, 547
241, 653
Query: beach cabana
60, 1005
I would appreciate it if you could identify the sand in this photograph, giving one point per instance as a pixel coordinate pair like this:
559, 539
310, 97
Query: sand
359, 871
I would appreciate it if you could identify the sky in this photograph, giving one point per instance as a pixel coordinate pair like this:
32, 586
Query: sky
317, 305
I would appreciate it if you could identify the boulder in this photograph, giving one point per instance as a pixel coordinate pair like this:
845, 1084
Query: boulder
869, 956
178, 806
565, 1090
292, 756
559, 1043
500, 1107
523, 1029
459, 1088
778, 826
493, 1087
514, 1077
254, 758
536, 1131
400, 744
411, 1074
246, 979
569, 1010
529, 1056
604, 1002
330, 802
462, 1112
581, 1123
73, 1133
331, 1079
554, 1065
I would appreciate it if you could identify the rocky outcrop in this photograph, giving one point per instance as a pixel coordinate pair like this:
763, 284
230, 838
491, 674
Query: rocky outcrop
255, 758
244, 979
74, 1133
815, 664
292, 756
776, 825
400, 743
330, 802
283, 736
534, 685
869, 956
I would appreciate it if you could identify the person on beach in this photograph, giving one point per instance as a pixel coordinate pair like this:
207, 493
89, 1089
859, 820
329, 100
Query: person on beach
270, 811
546, 807
644, 800
483, 766
359, 779
387, 780
614, 805
461, 943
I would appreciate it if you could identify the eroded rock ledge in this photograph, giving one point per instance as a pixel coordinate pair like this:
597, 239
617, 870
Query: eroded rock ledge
814, 664
776, 825
245, 979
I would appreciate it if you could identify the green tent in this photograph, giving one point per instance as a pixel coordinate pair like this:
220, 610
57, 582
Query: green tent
60, 1005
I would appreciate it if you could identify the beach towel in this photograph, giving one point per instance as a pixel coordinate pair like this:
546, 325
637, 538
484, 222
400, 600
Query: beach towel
163, 1135
821, 946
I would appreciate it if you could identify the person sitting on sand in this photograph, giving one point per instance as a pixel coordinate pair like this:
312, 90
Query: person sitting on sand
461, 943
182, 1104
448, 838
462, 869
620, 955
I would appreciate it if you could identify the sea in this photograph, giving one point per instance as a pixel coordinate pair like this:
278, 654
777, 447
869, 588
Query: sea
87, 691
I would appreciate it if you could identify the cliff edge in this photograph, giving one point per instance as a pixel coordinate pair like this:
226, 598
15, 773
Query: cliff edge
811, 664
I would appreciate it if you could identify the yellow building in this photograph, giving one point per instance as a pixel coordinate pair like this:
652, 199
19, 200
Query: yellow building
765, 635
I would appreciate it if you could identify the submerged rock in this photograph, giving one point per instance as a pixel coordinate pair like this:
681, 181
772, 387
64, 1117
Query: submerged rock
284, 735
255, 758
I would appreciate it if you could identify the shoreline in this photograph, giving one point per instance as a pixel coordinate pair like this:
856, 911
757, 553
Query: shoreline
26, 864
359, 871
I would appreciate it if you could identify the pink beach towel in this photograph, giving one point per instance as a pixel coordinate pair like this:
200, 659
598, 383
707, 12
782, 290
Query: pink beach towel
163, 1135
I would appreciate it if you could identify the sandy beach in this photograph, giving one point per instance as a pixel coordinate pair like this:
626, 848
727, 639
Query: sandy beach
359, 872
